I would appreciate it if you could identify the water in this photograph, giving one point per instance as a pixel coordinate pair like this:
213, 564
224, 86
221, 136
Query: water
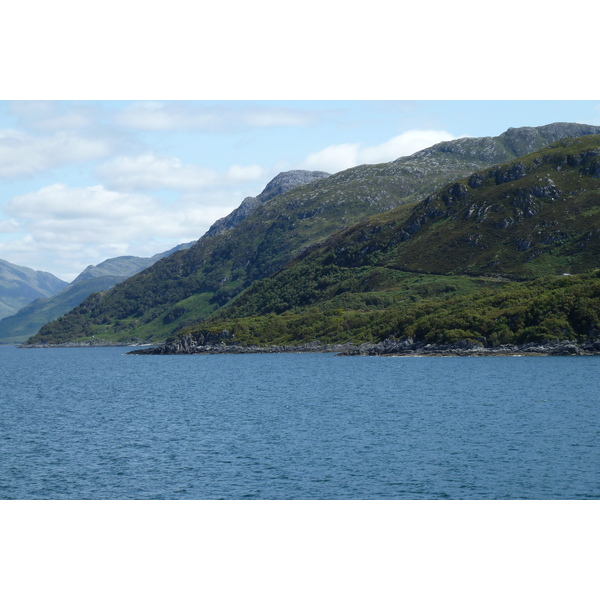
96, 424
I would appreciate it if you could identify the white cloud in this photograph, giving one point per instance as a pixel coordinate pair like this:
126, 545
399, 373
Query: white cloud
344, 156
9, 226
63, 229
93, 213
404, 144
55, 116
151, 172
276, 117
159, 116
333, 158
22, 154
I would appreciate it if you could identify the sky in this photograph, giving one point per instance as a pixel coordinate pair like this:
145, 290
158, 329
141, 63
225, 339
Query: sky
85, 180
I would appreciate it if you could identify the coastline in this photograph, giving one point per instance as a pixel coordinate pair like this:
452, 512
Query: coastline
390, 347
97, 344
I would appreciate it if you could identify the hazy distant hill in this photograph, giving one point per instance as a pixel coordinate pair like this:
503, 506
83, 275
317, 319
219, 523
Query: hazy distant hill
28, 320
125, 266
21, 285
188, 287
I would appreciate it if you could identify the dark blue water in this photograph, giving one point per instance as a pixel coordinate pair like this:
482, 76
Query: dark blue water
97, 424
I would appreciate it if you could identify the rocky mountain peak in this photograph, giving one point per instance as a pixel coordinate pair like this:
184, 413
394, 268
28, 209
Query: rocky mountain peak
513, 143
280, 184
288, 180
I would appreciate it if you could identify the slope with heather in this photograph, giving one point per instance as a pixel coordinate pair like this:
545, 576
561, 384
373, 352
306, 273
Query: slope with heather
507, 255
182, 290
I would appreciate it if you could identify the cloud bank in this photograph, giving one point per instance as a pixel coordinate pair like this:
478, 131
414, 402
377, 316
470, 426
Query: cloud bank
74, 227
173, 116
152, 172
25, 155
344, 156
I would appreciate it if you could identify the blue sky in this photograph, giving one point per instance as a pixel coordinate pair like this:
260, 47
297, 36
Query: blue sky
93, 166
82, 181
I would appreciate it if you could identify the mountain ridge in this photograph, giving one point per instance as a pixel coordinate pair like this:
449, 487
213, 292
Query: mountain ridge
280, 184
21, 285
178, 291
422, 272
18, 327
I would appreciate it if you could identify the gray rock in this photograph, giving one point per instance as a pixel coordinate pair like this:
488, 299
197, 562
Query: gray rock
282, 183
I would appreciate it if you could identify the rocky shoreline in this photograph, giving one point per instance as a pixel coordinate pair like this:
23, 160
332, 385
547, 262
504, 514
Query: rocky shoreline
389, 347
408, 347
184, 347
94, 344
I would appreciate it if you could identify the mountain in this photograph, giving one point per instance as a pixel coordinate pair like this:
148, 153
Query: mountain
279, 185
28, 320
125, 266
510, 254
182, 290
21, 285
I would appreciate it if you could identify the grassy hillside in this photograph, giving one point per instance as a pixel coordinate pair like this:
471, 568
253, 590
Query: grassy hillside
539, 215
28, 320
440, 270
433, 309
181, 290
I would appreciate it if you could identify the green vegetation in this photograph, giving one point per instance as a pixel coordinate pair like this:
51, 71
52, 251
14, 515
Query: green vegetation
439, 310
524, 220
25, 323
28, 320
422, 247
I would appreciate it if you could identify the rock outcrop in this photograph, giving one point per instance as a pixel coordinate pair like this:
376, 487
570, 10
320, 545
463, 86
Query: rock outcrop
408, 347
224, 344
282, 183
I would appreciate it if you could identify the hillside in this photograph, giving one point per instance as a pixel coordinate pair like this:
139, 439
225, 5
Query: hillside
182, 290
96, 278
21, 285
279, 185
536, 216
440, 271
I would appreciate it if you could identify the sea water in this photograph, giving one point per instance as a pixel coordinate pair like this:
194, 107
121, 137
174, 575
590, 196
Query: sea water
95, 423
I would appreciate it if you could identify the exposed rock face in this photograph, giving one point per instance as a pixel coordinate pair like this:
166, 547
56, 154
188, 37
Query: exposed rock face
288, 180
408, 347
282, 183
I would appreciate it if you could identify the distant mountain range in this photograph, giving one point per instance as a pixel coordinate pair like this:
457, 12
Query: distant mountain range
347, 241
27, 320
21, 285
